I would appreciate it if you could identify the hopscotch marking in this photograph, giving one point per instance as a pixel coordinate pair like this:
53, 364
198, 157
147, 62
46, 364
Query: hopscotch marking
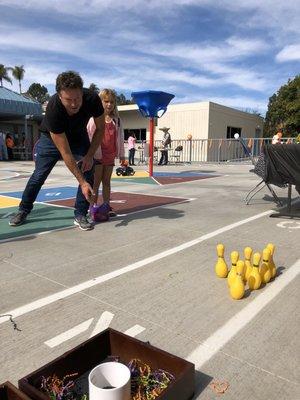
102, 324
134, 330
69, 334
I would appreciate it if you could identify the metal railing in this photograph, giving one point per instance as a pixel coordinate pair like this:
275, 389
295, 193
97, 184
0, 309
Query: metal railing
193, 151
215, 150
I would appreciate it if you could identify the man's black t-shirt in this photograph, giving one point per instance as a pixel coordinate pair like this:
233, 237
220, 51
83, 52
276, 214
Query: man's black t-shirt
57, 120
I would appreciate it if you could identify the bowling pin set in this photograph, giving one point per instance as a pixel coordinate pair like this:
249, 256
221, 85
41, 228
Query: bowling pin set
242, 272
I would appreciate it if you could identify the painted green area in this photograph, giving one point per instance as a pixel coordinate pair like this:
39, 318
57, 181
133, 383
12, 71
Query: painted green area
42, 218
146, 180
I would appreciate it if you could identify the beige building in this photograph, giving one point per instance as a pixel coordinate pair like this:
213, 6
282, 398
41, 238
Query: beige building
202, 120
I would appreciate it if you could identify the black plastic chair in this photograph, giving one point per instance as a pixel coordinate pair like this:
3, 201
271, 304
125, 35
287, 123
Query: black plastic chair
259, 171
177, 154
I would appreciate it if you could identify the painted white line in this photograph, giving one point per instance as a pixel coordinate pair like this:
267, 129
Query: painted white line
36, 234
187, 200
134, 330
7, 215
206, 350
152, 195
10, 197
155, 180
284, 223
10, 177
69, 334
103, 322
35, 305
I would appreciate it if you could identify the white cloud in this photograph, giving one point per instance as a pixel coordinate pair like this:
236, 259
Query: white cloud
289, 53
240, 102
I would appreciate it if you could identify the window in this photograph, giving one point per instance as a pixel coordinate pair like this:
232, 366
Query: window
231, 131
140, 134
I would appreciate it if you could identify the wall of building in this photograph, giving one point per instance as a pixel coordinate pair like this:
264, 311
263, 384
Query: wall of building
186, 119
220, 117
202, 120
132, 119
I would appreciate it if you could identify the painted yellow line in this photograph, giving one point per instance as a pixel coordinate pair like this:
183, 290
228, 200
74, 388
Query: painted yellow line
8, 202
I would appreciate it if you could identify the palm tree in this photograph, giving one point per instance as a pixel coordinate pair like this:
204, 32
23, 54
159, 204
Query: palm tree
4, 75
18, 73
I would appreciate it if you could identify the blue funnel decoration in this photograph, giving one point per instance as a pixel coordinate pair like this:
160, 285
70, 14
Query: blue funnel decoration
152, 103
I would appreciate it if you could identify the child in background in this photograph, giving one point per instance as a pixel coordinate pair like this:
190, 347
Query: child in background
131, 148
277, 138
112, 146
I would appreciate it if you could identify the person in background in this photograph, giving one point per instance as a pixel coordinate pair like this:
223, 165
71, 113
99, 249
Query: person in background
277, 138
64, 134
166, 143
10, 144
131, 148
111, 147
3, 149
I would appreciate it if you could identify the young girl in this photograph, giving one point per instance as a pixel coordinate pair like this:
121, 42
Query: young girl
112, 146
131, 148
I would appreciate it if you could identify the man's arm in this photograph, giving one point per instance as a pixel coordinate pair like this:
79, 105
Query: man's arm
87, 161
95, 142
62, 144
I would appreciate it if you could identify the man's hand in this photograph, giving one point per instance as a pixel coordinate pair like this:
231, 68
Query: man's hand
87, 191
86, 163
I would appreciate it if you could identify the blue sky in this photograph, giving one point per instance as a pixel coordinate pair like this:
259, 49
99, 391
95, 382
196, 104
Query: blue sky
200, 50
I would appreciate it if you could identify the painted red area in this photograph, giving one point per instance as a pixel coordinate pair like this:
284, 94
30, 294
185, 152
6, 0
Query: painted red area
167, 180
125, 203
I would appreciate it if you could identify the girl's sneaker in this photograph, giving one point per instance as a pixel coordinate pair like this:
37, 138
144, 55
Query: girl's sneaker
111, 212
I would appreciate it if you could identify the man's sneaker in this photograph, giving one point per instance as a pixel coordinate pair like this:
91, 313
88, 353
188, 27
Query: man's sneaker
18, 219
83, 223
111, 212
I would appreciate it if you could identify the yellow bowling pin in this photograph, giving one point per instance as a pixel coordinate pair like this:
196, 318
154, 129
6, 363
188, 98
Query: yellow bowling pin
234, 256
264, 269
248, 267
221, 268
237, 288
272, 265
254, 280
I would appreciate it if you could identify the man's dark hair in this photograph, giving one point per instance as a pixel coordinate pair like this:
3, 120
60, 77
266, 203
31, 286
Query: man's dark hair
68, 80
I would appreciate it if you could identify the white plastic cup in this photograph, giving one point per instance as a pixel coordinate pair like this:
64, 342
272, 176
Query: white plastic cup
109, 381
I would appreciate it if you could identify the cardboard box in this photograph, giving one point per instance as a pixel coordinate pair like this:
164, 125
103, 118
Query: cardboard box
83, 358
9, 392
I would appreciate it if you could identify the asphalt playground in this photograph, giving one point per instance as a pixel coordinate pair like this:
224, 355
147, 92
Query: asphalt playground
149, 272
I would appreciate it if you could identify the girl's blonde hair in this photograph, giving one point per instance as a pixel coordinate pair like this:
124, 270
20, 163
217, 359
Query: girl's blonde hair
112, 95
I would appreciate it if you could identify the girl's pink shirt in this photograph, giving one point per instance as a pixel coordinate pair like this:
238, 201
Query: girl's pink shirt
119, 138
131, 142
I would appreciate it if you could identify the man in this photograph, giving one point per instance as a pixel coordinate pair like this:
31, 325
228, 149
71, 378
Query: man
64, 135
166, 142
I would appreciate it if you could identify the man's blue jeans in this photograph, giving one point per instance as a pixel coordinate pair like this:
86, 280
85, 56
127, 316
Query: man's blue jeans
46, 158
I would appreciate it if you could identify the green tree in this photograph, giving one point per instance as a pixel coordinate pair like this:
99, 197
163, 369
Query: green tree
121, 99
18, 73
284, 110
94, 88
4, 75
38, 92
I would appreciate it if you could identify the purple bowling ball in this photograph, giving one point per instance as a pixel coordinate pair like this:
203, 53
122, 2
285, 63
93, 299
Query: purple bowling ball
100, 213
